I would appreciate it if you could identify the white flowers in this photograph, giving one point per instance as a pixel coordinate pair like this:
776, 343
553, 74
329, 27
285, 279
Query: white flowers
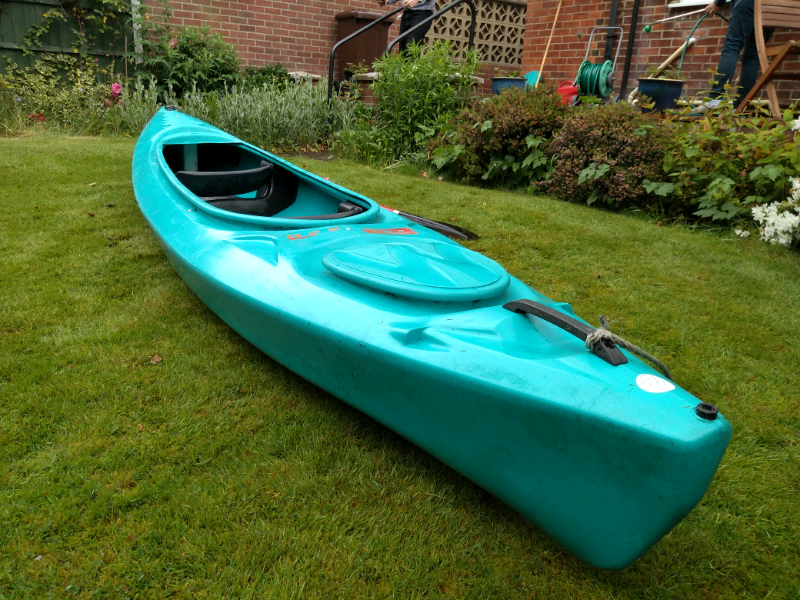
742, 233
780, 221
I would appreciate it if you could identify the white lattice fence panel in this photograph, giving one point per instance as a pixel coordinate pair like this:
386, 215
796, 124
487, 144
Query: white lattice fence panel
499, 30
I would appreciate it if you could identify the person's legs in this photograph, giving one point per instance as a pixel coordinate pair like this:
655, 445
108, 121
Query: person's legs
409, 19
740, 30
403, 28
750, 64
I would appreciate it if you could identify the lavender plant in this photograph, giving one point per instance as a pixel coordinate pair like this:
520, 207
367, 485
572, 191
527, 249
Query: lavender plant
140, 104
273, 116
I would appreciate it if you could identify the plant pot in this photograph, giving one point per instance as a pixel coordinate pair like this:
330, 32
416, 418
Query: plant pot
501, 83
664, 92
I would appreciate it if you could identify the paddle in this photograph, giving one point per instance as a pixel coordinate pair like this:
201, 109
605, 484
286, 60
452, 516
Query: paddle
452, 231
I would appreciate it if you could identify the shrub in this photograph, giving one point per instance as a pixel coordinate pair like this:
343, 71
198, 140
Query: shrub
504, 139
364, 142
607, 153
193, 57
723, 165
255, 77
59, 91
414, 93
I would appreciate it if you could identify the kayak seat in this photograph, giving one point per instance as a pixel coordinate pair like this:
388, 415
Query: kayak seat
275, 189
225, 183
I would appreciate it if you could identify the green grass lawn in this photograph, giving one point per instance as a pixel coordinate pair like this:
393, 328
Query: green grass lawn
216, 473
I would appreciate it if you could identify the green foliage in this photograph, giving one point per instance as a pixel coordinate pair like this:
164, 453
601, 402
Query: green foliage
723, 164
357, 69
85, 18
255, 77
274, 115
512, 172
58, 91
502, 140
607, 153
670, 72
363, 141
590, 174
193, 56
12, 114
415, 93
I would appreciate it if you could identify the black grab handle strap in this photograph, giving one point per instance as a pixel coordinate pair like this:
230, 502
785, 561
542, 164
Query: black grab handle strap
605, 349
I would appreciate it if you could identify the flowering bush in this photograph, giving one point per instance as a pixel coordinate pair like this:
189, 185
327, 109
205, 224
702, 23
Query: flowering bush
115, 96
194, 57
780, 221
113, 118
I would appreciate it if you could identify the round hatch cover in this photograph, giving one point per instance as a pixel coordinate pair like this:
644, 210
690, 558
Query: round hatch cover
427, 271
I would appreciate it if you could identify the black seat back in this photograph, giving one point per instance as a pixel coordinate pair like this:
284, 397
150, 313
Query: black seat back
226, 183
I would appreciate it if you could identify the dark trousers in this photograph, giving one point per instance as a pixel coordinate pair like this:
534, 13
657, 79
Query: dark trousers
408, 20
741, 34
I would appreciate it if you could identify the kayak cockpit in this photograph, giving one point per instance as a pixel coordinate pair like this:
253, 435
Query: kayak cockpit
235, 179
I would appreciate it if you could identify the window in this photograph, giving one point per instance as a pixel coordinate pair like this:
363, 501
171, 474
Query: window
687, 3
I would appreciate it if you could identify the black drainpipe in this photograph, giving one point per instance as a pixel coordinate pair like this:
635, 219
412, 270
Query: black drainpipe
611, 34
623, 89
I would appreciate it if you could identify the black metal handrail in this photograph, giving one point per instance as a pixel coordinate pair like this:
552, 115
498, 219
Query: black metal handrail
447, 8
436, 15
347, 39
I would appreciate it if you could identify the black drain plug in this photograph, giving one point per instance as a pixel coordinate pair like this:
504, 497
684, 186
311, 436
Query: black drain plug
706, 411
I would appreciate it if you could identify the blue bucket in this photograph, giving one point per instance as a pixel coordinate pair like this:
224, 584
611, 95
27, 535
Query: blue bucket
664, 92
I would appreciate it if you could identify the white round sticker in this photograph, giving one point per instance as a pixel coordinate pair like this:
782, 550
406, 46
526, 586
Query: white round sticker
654, 384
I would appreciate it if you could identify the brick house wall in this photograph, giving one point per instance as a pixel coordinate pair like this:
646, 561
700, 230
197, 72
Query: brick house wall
578, 17
298, 34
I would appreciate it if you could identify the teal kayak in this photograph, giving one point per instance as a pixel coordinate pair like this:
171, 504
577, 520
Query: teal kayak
435, 341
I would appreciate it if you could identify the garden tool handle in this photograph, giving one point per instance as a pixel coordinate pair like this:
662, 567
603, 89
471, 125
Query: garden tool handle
547, 48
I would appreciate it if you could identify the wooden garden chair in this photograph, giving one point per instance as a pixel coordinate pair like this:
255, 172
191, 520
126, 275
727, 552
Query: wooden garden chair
781, 14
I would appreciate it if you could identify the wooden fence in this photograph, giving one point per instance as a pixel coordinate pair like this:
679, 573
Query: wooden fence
17, 17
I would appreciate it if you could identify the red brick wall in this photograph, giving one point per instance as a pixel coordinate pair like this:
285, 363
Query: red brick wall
299, 34
578, 17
